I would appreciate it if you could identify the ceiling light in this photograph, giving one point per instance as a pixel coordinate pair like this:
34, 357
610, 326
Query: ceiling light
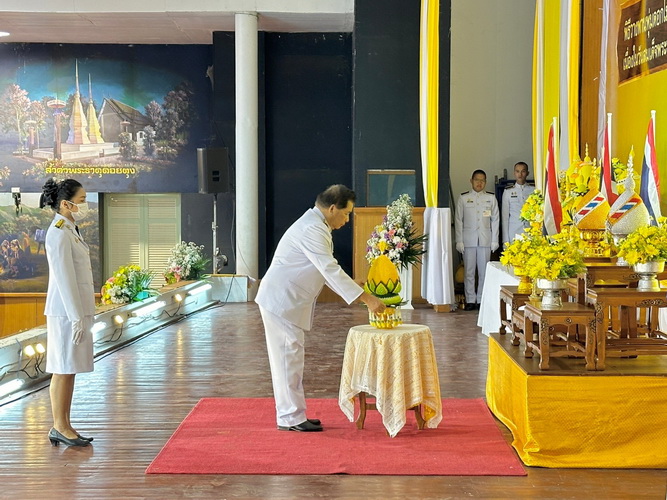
118, 319
40, 348
3, 33
29, 351
178, 297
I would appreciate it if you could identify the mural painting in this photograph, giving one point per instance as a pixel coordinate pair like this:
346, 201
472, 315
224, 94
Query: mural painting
116, 118
23, 226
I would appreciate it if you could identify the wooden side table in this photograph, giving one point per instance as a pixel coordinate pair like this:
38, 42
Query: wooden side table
569, 314
627, 342
509, 295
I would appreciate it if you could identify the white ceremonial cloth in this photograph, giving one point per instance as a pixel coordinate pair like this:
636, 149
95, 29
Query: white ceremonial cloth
437, 268
497, 275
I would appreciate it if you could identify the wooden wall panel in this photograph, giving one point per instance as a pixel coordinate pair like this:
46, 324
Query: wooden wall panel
21, 311
365, 219
590, 76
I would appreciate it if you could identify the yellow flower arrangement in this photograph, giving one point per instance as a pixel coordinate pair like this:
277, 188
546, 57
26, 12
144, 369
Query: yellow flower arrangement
646, 244
533, 208
517, 253
555, 257
620, 172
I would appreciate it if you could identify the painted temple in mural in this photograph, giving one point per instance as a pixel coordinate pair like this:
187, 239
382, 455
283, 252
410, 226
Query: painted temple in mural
91, 136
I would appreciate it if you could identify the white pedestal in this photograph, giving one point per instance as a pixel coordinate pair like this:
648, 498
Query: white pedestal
406, 287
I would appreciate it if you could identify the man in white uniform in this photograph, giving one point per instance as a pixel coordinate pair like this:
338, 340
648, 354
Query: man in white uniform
476, 222
302, 264
514, 197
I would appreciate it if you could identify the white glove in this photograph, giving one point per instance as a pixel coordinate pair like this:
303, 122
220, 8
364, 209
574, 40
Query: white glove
460, 247
494, 247
77, 331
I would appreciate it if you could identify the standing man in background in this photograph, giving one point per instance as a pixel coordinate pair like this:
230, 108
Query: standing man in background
514, 197
477, 223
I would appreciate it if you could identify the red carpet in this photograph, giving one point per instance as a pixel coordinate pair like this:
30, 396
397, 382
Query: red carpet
239, 436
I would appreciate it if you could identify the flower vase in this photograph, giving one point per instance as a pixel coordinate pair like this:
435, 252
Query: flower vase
551, 292
648, 275
405, 274
525, 283
390, 318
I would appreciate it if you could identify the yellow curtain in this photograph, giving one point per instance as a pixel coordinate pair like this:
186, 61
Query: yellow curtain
574, 44
428, 98
546, 79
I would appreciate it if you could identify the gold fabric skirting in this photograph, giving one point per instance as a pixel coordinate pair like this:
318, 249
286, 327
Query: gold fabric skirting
579, 421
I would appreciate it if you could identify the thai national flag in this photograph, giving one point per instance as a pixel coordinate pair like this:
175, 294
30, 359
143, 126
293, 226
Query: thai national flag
553, 212
607, 174
650, 182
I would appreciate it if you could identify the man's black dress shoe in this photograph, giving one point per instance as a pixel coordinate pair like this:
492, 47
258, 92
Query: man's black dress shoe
305, 426
470, 307
315, 421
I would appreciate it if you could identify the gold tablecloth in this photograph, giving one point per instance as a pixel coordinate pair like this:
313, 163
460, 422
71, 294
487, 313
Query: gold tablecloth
395, 366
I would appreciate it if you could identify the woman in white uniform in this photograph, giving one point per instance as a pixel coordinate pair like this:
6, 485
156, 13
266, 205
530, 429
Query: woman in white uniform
70, 304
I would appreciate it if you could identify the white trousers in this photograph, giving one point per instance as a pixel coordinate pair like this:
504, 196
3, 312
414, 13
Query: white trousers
284, 342
475, 258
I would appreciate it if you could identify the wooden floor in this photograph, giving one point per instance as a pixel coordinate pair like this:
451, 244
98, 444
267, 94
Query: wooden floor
137, 396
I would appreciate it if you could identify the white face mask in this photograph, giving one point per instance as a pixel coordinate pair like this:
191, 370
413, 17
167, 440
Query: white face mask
81, 212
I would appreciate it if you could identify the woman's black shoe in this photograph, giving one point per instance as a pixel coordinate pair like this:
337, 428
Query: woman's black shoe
90, 440
56, 438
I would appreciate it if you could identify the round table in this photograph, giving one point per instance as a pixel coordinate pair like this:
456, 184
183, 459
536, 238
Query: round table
397, 367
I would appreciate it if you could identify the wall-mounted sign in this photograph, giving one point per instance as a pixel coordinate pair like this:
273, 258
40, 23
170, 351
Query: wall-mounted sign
642, 39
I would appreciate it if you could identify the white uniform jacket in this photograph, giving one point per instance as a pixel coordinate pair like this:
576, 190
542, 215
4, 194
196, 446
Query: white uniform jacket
303, 262
477, 219
514, 197
70, 292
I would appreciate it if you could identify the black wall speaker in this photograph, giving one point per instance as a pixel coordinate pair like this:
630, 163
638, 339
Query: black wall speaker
213, 170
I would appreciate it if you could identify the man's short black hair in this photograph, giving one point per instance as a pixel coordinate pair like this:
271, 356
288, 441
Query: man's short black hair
522, 163
478, 171
337, 194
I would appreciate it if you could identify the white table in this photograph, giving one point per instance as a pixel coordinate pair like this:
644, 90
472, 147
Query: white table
497, 275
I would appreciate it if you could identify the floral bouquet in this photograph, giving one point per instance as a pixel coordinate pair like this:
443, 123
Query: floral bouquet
517, 253
128, 284
186, 262
533, 209
646, 244
396, 237
555, 257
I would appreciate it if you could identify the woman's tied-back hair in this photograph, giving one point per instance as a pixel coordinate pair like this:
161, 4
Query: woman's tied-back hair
53, 192
336, 194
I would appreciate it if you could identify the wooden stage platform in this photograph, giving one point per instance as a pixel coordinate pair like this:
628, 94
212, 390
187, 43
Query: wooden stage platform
568, 416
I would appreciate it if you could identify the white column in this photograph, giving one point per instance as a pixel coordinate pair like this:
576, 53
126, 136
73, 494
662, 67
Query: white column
247, 190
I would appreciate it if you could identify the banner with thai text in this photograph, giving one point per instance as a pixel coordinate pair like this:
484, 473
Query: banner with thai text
642, 39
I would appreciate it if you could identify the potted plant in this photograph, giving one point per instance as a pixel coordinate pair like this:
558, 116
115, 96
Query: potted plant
555, 259
645, 249
128, 283
187, 262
